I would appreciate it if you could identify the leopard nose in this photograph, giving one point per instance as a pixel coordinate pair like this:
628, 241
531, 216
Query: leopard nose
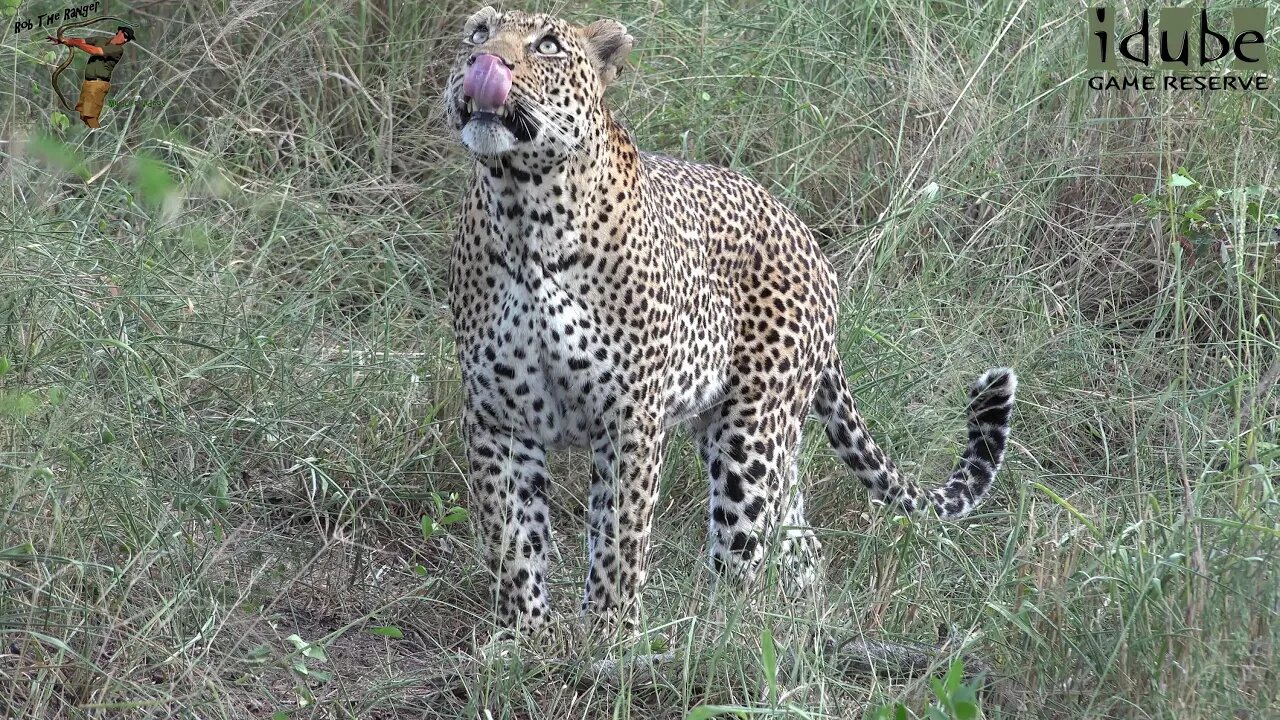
488, 80
510, 65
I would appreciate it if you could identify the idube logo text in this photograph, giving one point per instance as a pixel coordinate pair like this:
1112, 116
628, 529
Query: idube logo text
1184, 49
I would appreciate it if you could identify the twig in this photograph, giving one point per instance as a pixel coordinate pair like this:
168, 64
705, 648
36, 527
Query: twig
854, 657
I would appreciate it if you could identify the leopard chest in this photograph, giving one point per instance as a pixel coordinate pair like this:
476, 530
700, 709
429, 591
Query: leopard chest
539, 355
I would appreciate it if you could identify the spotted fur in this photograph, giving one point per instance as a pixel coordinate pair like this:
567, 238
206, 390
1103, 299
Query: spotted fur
601, 295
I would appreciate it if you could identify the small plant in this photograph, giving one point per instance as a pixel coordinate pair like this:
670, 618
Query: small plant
442, 516
60, 121
303, 662
954, 699
1201, 218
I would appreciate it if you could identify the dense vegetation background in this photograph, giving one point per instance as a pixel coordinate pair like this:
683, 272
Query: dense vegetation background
228, 392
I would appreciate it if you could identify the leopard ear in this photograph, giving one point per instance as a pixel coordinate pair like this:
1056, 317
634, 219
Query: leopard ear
484, 16
609, 44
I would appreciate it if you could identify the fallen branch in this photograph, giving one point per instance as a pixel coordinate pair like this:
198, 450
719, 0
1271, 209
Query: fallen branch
854, 657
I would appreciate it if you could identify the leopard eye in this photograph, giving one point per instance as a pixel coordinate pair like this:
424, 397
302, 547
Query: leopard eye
480, 35
548, 46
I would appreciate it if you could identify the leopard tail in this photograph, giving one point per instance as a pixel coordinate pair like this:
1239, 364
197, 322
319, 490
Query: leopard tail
990, 407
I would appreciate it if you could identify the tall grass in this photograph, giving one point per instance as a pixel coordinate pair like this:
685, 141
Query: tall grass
228, 395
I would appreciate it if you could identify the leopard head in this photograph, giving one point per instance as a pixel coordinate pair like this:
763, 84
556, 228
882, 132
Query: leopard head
531, 86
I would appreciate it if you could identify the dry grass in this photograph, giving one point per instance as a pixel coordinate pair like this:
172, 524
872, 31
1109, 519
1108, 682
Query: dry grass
228, 393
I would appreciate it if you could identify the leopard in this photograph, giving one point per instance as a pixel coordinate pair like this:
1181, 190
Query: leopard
602, 296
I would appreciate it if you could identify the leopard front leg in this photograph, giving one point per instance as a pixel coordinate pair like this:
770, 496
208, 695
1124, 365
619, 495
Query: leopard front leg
624, 492
508, 482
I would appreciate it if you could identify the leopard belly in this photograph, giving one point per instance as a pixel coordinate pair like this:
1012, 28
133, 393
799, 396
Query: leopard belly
700, 352
546, 380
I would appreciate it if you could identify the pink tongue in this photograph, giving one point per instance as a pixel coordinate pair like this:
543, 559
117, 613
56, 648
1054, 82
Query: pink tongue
488, 82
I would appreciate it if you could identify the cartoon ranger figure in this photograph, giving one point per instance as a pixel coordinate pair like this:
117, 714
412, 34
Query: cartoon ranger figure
104, 53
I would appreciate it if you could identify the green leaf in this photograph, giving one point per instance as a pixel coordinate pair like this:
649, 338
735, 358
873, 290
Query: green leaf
702, 712
1069, 507
18, 552
259, 653
220, 496
1204, 202
311, 650
454, 516
769, 658
17, 405
955, 676
152, 177
387, 631
428, 527
1179, 180
59, 155
965, 693
315, 652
